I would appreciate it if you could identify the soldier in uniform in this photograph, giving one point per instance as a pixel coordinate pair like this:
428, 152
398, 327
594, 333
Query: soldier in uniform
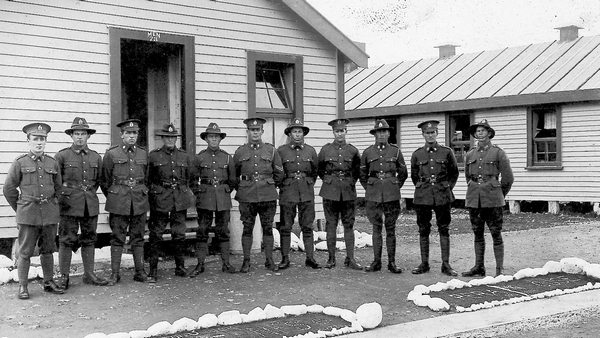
382, 174
170, 174
258, 167
434, 172
216, 179
79, 205
297, 192
339, 169
489, 178
31, 187
123, 182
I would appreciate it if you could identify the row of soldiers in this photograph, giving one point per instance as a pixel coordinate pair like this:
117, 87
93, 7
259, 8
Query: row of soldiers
58, 194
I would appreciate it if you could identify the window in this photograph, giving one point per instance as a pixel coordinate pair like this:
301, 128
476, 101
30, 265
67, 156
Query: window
457, 135
543, 133
275, 85
275, 92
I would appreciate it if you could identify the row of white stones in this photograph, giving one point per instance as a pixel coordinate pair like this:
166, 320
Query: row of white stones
573, 265
367, 316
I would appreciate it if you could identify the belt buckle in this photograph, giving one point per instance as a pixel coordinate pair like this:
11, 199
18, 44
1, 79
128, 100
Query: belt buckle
297, 175
43, 200
380, 175
131, 183
255, 177
433, 180
480, 180
214, 182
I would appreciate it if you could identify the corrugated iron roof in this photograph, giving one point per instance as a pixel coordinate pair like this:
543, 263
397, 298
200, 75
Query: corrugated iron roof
539, 73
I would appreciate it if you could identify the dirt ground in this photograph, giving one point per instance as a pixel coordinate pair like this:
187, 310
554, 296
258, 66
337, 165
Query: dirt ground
530, 239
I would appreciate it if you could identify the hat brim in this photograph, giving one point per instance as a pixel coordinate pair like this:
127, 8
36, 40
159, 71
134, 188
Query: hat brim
167, 134
473, 129
89, 130
288, 129
204, 134
373, 131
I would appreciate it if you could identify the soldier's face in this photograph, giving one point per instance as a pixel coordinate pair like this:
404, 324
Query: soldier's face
129, 137
80, 137
213, 140
37, 144
255, 134
169, 141
297, 135
340, 135
382, 135
482, 133
430, 136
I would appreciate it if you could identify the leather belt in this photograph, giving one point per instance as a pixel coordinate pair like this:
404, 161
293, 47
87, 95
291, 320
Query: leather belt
130, 182
171, 185
432, 180
482, 179
83, 187
338, 173
211, 181
381, 175
255, 177
38, 200
296, 175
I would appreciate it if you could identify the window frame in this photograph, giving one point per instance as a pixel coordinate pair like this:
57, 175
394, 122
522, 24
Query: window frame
449, 132
297, 89
532, 164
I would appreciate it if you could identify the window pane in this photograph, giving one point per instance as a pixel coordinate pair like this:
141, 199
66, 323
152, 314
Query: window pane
271, 91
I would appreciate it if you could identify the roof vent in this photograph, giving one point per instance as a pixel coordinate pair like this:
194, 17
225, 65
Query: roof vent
447, 51
568, 33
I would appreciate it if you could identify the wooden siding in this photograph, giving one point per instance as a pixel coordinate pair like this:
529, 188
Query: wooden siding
54, 66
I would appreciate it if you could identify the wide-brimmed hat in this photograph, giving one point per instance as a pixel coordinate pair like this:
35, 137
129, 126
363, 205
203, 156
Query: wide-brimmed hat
254, 122
482, 123
167, 130
37, 129
79, 123
296, 123
380, 124
428, 125
212, 128
339, 123
129, 125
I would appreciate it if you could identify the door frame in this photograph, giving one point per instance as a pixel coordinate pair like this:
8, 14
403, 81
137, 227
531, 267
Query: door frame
188, 105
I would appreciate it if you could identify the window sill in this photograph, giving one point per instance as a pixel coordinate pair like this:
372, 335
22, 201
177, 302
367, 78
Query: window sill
544, 167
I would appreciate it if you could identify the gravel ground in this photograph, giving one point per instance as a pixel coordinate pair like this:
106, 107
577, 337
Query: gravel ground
582, 323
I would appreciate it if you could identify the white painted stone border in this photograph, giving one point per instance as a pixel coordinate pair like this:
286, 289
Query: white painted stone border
369, 314
573, 265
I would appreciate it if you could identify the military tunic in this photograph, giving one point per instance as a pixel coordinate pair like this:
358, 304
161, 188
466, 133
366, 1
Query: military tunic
79, 204
339, 168
382, 173
216, 180
298, 188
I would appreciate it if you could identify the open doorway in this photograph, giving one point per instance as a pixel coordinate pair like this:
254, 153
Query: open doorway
152, 79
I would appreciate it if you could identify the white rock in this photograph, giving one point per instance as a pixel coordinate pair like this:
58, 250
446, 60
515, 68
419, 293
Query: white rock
593, 270
356, 326
575, 261
572, 269
438, 304
413, 295
273, 312
357, 235
437, 287
341, 246
159, 328
230, 317
256, 314
294, 310
139, 334
245, 318
321, 235
5, 276
118, 335
184, 324
368, 240
332, 311
369, 315
423, 300
322, 246
126, 261
456, 284
475, 282
524, 273
316, 308
348, 316
422, 289
276, 239
553, 266
96, 335
33, 273
360, 242
208, 320
294, 241
301, 243
14, 275
487, 280
5, 262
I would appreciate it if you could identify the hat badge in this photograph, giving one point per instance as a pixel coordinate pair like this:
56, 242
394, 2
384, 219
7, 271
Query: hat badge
429, 124
40, 128
214, 126
296, 121
381, 125
483, 121
170, 129
339, 121
80, 121
131, 124
254, 122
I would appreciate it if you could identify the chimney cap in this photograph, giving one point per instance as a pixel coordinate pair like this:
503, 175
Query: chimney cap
568, 33
447, 50
568, 26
